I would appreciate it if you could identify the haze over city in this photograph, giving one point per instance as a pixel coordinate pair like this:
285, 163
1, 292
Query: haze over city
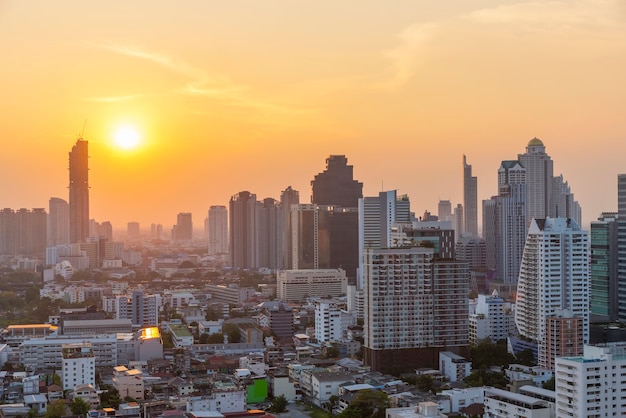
222, 97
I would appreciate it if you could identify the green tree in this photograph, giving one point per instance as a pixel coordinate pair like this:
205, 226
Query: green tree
549, 384
31, 295
487, 354
526, 357
216, 338
55, 409
212, 314
79, 406
233, 332
424, 383
33, 413
109, 398
367, 403
279, 404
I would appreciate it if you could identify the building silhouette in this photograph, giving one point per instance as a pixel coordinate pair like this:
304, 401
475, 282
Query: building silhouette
336, 191
79, 191
470, 200
288, 198
621, 245
183, 230
242, 230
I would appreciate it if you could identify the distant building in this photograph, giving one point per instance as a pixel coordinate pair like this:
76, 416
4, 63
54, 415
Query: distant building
297, 285
183, 230
242, 230
132, 230
79, 191
218, 230
58, 222
470, 200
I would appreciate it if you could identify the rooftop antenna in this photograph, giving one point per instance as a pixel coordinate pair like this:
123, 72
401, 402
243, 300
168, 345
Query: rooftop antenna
83, 131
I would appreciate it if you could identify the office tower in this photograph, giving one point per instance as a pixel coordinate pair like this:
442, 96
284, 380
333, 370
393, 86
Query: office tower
242, 230
490, 234
415, 306
58, 222
94, 228
337, 189
470, 200
554, 276
592, 385
132, 230
269, 234
336, 185
288, 198
546, 195
621, 246
473, 250
79, 191
444, 210
106, 230
603, 268
218, 230
183, 230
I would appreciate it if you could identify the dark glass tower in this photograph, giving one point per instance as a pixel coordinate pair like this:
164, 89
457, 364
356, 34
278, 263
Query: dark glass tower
336, 186
79, 192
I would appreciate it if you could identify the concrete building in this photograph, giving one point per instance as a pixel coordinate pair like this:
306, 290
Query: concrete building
218, 230
78, 366
58, 222
415, 305
243, 230
288, 197
492, 319
454, 367
592, 385
297, 285
331, 322
563, 338
554, 276
79, 191
603, 268
183, 230
129, 383
501, 403
470, 200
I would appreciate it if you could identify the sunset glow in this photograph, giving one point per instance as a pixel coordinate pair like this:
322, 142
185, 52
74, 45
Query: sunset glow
126, 137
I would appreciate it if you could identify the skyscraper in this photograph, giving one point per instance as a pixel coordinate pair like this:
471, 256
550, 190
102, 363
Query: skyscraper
183, 230
546, 195
218, 230
243, 230
58, 222
269, 233
621, 245
470, 200
554, 276
336, 189
603, 267
288, 198
79, 191
444, 210
336, 185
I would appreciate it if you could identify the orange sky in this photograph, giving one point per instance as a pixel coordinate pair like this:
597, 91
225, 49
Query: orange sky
254, 95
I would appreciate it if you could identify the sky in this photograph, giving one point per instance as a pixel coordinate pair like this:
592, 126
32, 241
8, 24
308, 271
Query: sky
226, 96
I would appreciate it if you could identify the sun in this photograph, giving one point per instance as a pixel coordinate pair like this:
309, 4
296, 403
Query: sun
126, 137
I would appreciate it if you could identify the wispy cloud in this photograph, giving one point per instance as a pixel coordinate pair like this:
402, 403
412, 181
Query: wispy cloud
200, 82
568, 20
114, 99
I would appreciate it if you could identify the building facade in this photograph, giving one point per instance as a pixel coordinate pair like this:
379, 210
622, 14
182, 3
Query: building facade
79, 191
218, 230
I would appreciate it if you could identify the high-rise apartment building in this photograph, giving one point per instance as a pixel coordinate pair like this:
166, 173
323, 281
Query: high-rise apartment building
603, 268
415, 306
58, 222
554, 276
592, 385
288, 198
470, 200
444, 210
132, 230
183, 230
106, 230
243, 230
78, 365
563, 338
310, 237
79, 191
218, 230
23, 231
269, 234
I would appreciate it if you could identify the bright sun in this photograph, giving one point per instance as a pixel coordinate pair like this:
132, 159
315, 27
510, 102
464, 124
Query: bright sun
126, 137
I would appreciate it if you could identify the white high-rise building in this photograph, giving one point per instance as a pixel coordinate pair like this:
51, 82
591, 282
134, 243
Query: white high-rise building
592, 385
78, 365
331, 321
493, 319
554, 276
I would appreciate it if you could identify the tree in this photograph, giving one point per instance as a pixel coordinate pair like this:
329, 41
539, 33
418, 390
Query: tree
55, 409
526, 357
216, 338
79, 407
279, 404
424, 383
233, 332
367, 403
549, 384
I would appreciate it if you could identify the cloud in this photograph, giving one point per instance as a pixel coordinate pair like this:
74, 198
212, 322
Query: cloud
572, 23
200, 82
114, 99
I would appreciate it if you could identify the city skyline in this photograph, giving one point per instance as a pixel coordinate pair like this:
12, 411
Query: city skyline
248, 97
